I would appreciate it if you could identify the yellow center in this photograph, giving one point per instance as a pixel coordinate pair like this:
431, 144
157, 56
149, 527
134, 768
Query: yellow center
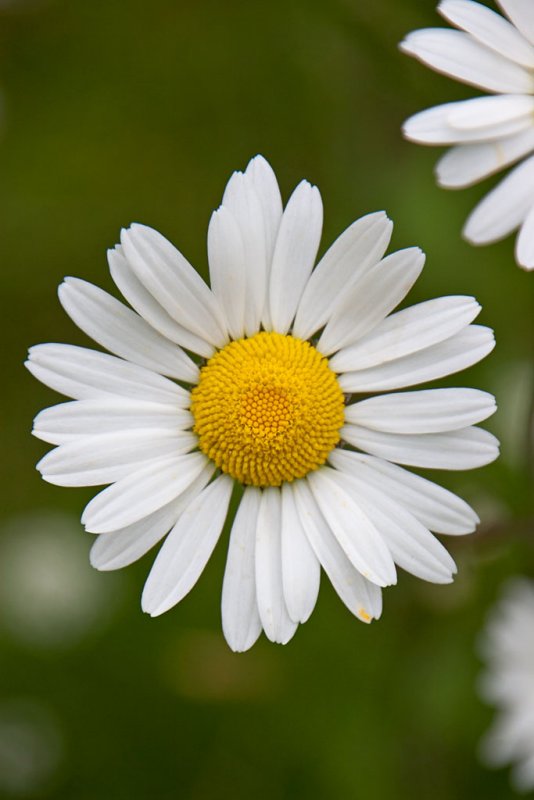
267, 409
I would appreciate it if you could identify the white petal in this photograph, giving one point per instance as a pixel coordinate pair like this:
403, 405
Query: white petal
86, 374
67, 422
141, 493
301, 572
435, 507
294, 254
464, 449
520, 12
459, 55
266, 185
503, 209
362, 598
436, 125
169, 277
122, 331
408, 331
371, 299
240, 618
412, 545
354, 251
149, 308
482, 112
456, 353
352, 528
489, 28
525, 242
186, 550
122, 547
276, 622
107, 457
242, 201
469, 163
428, 411
228, 269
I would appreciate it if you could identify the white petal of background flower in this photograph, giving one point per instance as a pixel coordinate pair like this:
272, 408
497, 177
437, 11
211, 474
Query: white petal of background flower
507, 648
489, 28
520, 13
490, 133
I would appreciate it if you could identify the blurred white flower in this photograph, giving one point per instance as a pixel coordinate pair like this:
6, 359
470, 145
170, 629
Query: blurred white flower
31, 748
281, 351
47, 596
489, 132
507, 646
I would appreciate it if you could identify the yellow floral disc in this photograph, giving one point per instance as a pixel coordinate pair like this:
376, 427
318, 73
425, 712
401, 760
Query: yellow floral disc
267, 409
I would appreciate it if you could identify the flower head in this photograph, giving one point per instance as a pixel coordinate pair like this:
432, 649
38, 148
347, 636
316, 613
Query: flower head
491, 132
507, 646
265, 381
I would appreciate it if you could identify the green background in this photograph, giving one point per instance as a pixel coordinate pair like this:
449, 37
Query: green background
124, 111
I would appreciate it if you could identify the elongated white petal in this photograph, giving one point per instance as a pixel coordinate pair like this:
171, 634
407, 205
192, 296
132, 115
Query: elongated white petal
187, 548
484, 112
242, 201
266, 186
464, 449
489, 28
412, 545
469, 163
356, 534
457, 54
67, 422
369, 301
120, 548
275, 619
149, 308
107, 457
354, 251
408, 331
294, 254
503, 209
122, 331
428, 411
362, 598
456, 353
301, 572
169, 277
86, 374
520, 12
141, 493
435, 507
228, 269
240, 618
436, 125
525, 242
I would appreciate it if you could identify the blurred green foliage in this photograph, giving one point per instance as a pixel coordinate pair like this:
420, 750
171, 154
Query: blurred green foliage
139, 111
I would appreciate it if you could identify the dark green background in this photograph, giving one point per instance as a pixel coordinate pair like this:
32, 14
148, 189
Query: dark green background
124, 111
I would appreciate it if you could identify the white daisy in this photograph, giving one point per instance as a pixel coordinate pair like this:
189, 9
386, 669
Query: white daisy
490, 132
508, 682
275, 398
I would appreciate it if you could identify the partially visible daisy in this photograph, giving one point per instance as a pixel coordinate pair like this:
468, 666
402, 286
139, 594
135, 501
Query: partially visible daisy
489, 132
270, 377
507, 646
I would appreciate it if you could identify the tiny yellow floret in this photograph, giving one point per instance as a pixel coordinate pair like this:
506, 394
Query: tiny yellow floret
267, 409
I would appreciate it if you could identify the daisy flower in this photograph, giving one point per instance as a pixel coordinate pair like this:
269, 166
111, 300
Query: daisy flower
492, 132
266, 382
507, 647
